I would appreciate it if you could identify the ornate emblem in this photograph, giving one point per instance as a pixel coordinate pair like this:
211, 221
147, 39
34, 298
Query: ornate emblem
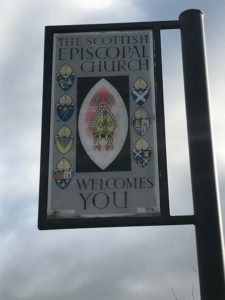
103, 123
142, 152
141, 121
65, 108
64, 139
63, 173
140, 92
65, 77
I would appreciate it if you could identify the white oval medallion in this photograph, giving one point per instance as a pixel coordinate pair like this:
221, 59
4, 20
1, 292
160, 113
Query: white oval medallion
103, 123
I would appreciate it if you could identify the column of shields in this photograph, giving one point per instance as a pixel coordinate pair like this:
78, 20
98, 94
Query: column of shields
141, 120
64, 138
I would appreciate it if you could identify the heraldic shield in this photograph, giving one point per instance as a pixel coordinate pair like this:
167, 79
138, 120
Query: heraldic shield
103, 123
65, 107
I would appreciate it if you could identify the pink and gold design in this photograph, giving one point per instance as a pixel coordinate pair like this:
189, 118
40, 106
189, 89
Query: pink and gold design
103, 123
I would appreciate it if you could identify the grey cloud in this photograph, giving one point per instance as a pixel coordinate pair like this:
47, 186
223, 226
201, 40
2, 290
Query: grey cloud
83, 262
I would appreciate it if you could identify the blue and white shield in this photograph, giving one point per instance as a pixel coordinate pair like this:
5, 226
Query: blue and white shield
142, 152
64, 111
65, 77
140, 92
65, 108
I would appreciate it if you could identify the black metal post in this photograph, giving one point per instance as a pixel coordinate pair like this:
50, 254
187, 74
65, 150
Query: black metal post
208, 226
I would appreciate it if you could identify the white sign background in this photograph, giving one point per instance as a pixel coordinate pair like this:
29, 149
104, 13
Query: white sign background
133, 192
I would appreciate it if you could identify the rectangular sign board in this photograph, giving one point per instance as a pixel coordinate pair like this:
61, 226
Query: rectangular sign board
100, 163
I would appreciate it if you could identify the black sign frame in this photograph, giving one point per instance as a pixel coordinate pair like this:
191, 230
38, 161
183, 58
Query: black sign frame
164, 218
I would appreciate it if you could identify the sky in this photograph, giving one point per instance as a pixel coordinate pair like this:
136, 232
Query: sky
157, 263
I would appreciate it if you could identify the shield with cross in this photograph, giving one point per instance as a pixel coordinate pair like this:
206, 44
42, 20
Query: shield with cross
140, 91
142, 152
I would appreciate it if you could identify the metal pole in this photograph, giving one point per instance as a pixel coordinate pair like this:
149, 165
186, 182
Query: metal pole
208, 226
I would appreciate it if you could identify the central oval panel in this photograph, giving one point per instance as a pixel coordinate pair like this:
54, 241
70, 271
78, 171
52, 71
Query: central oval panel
103, 123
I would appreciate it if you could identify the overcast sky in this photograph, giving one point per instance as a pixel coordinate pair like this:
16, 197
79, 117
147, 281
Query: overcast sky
157, 263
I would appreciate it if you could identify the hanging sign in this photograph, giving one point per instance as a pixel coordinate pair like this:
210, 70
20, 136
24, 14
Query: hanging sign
100, 158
